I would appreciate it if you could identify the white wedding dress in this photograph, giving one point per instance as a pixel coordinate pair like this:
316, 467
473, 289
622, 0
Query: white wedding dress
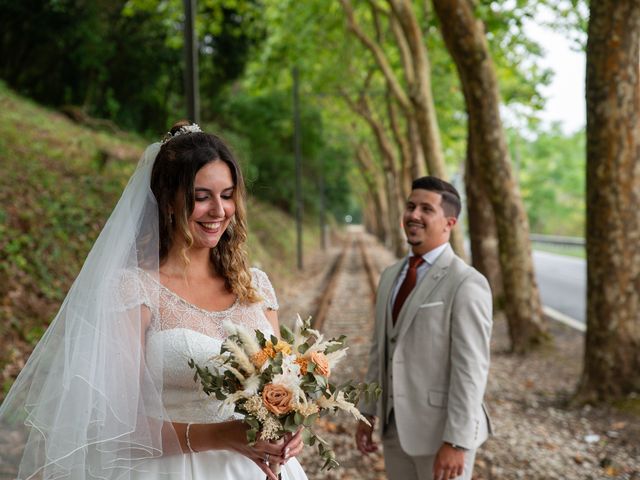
181, 331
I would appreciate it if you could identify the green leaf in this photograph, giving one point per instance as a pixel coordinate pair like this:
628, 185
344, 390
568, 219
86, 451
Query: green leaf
309, 420
252, 435
321, 381
308, 437
252, 422
286, 334
289, 424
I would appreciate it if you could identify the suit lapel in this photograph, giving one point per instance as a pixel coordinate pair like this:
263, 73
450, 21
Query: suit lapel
423, 290
386, 288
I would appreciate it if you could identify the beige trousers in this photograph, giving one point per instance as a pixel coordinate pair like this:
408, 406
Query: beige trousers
400, 466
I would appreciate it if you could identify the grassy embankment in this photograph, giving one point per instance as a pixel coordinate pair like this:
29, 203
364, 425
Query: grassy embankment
56, 192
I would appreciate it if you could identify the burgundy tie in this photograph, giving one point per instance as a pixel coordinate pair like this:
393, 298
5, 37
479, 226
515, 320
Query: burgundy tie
407, 285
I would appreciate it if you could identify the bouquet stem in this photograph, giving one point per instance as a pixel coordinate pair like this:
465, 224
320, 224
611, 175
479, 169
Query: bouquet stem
276, 469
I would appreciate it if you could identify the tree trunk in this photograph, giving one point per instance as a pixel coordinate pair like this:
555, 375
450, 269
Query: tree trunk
612, 353
483, 236
419, 103
422, 101
371, 217
375, 187
404, 147
465, 39
418, 168
420, 95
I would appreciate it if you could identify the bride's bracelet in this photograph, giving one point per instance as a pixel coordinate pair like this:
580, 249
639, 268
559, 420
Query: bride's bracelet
186, 436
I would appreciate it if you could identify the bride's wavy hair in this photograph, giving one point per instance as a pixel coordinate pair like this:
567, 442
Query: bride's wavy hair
172, 182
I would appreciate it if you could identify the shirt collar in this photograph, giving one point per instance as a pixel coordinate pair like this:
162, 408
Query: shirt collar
431, 256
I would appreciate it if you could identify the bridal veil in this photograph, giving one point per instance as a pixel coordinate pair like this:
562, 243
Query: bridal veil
86, 405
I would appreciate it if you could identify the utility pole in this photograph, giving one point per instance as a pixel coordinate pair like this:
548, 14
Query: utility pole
191, 84
298, 160
323, 227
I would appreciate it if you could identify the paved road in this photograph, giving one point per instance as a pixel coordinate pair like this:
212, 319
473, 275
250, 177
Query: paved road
563, 283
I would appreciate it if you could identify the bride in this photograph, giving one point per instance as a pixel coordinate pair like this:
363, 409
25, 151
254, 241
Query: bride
107, 392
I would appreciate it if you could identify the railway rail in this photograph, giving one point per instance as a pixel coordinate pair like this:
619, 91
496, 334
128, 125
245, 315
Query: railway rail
345, 306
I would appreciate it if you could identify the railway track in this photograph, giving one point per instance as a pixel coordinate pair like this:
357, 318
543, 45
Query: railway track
345, 306
356, 243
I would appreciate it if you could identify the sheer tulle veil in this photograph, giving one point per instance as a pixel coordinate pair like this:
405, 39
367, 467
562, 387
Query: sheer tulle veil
86, 405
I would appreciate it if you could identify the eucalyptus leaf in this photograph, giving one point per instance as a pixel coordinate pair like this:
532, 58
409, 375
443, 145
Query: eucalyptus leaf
309, 420
308, 436
286, 334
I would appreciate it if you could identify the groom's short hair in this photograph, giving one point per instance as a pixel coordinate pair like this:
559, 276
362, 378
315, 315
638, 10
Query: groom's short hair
450, 197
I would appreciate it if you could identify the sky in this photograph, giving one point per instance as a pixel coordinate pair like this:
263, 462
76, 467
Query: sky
565, 94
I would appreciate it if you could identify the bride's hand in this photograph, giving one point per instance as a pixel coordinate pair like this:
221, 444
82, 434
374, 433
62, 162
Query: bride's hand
293, 445
233, 436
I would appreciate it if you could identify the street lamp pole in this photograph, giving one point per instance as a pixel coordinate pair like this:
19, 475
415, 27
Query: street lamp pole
192, 88
298, 161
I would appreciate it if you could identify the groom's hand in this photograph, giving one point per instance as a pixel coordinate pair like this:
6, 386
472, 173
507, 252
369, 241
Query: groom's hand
449, 463
364, 440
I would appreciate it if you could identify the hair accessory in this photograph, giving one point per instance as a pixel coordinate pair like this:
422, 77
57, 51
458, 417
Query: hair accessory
193, 128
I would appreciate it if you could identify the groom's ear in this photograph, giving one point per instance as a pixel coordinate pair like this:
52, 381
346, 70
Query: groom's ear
451, 222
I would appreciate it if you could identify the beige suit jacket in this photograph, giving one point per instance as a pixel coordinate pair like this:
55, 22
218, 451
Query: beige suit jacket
441, 360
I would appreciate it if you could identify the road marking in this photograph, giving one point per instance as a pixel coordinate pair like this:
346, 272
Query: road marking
566, 319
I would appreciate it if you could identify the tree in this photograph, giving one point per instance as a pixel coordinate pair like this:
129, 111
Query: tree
391, 174
465, 39
551, 170
416, 99
612, 353
378, 217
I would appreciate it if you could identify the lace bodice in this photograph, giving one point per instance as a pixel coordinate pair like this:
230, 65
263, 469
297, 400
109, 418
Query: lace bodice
181, 331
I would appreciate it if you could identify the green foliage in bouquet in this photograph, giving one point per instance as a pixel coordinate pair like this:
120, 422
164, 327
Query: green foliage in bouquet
282, 385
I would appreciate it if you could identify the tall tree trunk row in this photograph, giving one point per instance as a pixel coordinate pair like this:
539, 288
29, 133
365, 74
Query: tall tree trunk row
376, 190
465, 39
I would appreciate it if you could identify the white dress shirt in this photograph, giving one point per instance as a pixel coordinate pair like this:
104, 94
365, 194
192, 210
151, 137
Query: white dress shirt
429, 258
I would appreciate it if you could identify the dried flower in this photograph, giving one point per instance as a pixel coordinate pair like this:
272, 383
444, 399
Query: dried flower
322, 364
270, 429
277, 398
306, 409
281, 346
260, 358
304, 364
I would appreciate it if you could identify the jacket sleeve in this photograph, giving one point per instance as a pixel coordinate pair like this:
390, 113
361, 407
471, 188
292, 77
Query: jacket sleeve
471, 323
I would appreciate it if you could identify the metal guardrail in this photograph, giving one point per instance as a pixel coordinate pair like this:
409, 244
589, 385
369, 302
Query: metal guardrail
558, 240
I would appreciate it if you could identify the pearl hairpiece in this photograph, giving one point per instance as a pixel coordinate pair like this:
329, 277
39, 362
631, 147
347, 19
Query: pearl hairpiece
193, 128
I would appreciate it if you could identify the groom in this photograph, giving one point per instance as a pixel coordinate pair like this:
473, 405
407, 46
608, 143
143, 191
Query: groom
430, 348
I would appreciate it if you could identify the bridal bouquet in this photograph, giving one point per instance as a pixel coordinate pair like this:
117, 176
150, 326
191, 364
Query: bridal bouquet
281, 385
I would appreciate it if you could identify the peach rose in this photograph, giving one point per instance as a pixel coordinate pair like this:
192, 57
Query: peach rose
322, 363
277, 398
